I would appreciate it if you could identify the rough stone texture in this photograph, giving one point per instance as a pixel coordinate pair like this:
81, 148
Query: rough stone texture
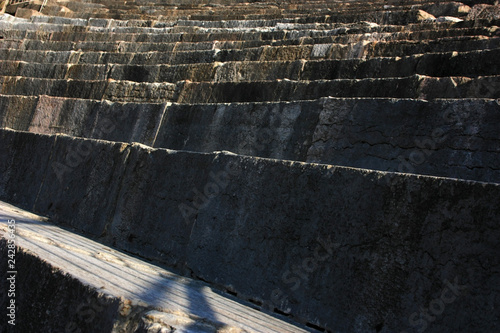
48, 298
456, 9
81, 181
407, 238
126, 122
68, 283
349, 82
155, 183
432, 64
487, 12
448, 19
17, 112
456, 138
19, 154
416, 86
264, 217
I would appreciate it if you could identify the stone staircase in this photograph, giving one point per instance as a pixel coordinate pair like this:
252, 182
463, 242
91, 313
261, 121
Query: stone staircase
329, 162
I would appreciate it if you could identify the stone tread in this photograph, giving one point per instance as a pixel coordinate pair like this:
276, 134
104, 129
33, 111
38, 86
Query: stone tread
182, 53
56, 32
396, 207
119, 275
472, 63
465, 146
317, 85
146, 25
415, 86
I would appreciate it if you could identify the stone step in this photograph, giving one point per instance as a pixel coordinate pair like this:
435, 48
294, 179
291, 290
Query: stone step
60, 23
55, 23
391, 15
289, 4
91, 89
397, 15
81, 279
133, 53
105, 120
338, 35
162, 22
415, 86
454, 138
296, 9
197, 213
207, 52
475, 63
218, 3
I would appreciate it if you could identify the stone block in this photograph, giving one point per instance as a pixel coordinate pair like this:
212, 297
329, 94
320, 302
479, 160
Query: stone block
23, 166
81, 182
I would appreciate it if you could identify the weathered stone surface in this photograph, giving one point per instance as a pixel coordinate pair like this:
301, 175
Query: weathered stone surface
448, 19
16, 112
81, 181
20, 182
48, 298
170, 177
456, 9
455, 139
362, 271
151, 54
485, 12
339, 249
126, 122
27, 13
439, 227
421, 15
415, 86
68, 283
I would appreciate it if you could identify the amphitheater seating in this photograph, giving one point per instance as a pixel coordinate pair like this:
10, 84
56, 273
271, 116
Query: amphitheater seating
327, 164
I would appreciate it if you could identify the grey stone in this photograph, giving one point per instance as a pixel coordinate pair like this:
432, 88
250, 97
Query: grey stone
448, 19
305, 145
73, 283
320, 50
300, 206
347, 132
484, 11
456, 9
19, 182
78, 175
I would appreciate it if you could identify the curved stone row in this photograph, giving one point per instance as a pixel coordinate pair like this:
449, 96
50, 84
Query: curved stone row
336, 120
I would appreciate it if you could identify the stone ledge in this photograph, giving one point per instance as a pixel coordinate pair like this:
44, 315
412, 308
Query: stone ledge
81, 284
202, 213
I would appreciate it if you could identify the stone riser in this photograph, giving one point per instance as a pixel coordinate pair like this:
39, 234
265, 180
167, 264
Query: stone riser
113, 90
476, 63
286, 90
245, 9
176, 53
415, 86
454, 138
59, 24
291, 23
181, 53
123, 122
203, 3
398, 17
36, 24
294, 37
123, 194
